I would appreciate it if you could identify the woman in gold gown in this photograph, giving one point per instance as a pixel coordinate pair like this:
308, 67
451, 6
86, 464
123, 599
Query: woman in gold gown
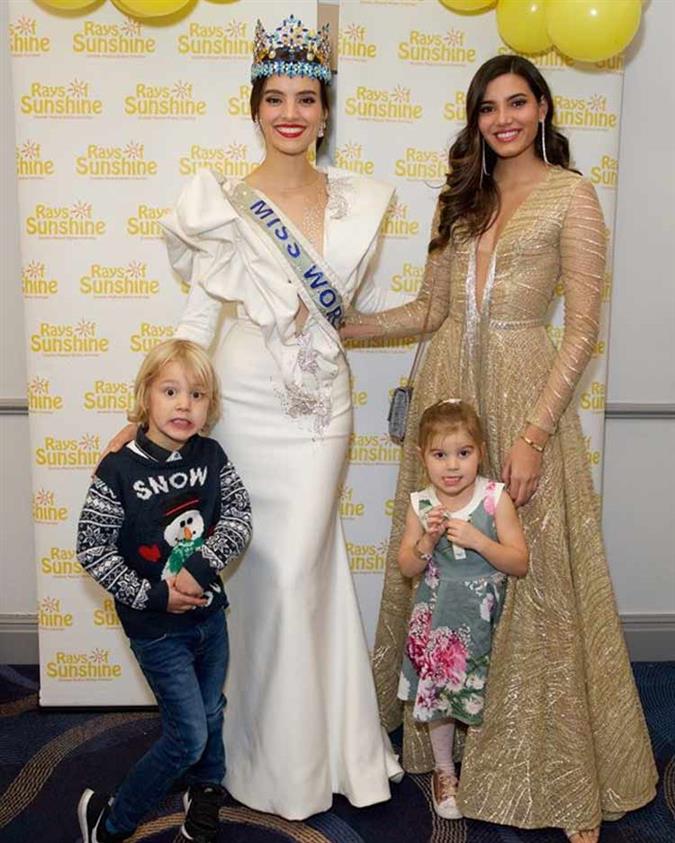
564, 741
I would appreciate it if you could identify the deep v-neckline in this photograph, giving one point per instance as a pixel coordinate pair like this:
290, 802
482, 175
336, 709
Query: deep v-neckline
479, 301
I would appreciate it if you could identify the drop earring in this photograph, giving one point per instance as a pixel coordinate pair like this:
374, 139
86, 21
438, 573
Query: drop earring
322, 129
483, 164
543, 142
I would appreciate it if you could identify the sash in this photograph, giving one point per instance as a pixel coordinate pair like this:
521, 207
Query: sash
315, 277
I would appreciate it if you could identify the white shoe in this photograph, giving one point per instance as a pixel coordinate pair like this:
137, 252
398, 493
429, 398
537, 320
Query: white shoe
444, 795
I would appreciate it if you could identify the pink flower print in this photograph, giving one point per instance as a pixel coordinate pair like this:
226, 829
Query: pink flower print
446, 657
487, 605
489, 502
426, 701
431, 577
474, 704
418, 635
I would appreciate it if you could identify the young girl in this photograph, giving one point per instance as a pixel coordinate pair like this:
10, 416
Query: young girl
464, 535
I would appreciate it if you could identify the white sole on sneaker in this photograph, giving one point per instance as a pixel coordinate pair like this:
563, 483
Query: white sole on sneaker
82, 806
447, 809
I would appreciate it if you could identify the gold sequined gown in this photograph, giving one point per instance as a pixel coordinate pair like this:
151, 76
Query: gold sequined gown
564, 742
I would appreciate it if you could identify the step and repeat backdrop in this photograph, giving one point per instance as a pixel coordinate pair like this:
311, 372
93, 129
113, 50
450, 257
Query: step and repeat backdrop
112, 118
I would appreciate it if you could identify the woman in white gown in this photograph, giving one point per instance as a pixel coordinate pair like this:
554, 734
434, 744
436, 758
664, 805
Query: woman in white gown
301, 720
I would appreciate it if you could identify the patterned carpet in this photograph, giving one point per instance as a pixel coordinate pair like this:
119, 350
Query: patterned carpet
46, 759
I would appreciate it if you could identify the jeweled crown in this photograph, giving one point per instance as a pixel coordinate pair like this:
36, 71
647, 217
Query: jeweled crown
292, 40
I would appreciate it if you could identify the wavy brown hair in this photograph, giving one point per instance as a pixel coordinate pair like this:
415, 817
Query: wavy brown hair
469, 203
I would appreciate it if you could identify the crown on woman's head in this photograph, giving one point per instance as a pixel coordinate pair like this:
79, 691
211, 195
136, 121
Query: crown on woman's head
291, 39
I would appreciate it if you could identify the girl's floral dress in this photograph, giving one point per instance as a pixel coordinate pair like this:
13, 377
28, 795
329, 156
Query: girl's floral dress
457, 605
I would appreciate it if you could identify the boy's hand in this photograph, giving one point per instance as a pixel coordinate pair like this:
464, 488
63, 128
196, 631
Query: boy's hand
179, 602
463, 533
187, 584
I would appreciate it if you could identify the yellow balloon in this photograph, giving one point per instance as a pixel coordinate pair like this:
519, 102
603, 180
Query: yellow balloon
592, 30
467, 5
150, 8
68, 5
522, 25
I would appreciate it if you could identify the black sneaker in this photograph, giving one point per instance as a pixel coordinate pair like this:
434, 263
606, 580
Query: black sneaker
202, 803
92, 812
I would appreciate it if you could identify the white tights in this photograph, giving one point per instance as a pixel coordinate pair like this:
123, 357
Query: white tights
442, 733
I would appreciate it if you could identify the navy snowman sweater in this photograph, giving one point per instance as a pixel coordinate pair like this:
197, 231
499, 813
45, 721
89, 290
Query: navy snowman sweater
148, 513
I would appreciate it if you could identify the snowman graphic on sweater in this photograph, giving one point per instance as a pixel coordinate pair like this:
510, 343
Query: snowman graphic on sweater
184, 533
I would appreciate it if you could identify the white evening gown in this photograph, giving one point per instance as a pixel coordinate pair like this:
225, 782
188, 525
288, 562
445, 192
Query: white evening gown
301, 721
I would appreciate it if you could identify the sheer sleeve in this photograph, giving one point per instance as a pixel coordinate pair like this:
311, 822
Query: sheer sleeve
433, 298
583, 246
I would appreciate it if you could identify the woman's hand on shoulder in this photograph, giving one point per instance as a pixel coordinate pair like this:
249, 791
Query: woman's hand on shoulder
118, 441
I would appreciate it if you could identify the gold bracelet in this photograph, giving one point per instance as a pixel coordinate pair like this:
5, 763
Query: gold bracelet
537, 447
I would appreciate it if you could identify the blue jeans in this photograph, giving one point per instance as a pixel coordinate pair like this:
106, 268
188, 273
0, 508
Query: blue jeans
186, 671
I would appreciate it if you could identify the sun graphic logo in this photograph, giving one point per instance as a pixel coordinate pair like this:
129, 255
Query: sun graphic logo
46, 510
73, 222
421, 165
103, 281
408, 279
93, 666
56, 453
350, 508
25, 40
35, 282
113, 40
106, 616
353, 44
606, 173
40, 398
373, 449
447, 49
109, 397
64, 102
115, 162
454, 109
145, 222
367, 558
164, 102
206, 41
590, 113
61, 563
29, 162
383, 105
148, 335
51, 617
350, 157
397, 224
68, 340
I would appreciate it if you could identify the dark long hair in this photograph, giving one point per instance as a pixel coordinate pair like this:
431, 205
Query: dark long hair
259, 85
469, 203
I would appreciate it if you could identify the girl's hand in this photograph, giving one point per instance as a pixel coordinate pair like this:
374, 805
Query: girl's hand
436, 523
118, 441
463, 533
178, 603
521, 472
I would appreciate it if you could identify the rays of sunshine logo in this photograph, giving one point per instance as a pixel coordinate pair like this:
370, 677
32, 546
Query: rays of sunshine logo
593, 398
68, 340
589, 113
350, 508
353, 44
61, 563
350, 157
50, 615
46, 509
74, 222
144, 223
397, 224
109, 397
556, 334
593, 455
111, 40
408, 280
25, 40
380, 104
106, 616
36, 283
115, 162
29, 162
231, 161
239, 105
437, 48
148, 335
552, 60
71, 101
40, 397
371, 449
421, 164
93, 666
367, 558
82, 453
204, 41
359, 396
119, 282
454, 110
606, 173
164, 102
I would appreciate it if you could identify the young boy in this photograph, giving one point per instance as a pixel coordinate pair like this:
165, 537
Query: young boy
163, 516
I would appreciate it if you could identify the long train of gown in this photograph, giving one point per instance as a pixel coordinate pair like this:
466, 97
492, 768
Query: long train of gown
301, 721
